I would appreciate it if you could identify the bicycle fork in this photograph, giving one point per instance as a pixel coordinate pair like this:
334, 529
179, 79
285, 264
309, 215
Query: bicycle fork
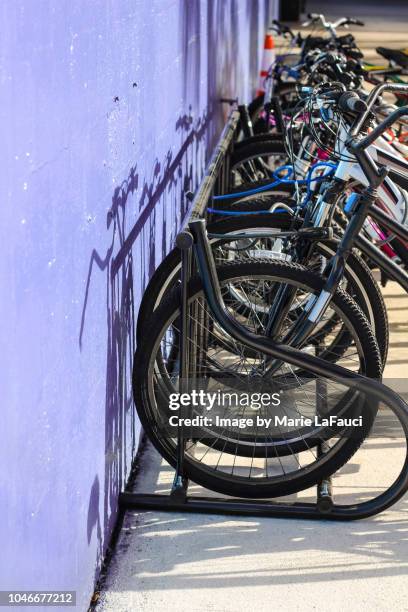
334, 270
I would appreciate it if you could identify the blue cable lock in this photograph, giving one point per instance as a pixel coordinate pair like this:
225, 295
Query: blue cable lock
278, 181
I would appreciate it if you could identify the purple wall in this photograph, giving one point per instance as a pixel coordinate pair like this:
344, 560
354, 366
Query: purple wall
108, 111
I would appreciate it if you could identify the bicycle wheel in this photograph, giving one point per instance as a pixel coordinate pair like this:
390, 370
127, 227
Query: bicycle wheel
359, 281
330, 337
254, 160
210, 460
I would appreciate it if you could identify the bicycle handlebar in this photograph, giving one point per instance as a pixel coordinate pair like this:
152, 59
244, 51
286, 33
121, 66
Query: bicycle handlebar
350, 101
343, 21
375, 93
379, 130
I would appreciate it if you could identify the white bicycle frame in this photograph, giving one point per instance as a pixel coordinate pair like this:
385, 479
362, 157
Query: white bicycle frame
392, 196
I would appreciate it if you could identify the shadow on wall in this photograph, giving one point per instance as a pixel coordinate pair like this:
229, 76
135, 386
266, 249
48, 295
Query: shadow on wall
162, 206
170, 182
221, 68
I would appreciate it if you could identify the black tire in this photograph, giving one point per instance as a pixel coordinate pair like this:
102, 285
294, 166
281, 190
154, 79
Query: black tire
257, 146
365, 292
225, 482
248, 163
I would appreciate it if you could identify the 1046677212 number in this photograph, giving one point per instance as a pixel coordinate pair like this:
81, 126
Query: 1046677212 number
37, 598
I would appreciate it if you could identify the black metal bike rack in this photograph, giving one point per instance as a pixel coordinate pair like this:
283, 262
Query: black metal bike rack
216, 180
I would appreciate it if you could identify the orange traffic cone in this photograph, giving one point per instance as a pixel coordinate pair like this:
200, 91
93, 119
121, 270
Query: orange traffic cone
268, 58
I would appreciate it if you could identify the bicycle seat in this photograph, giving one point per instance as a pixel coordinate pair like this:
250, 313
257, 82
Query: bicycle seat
399, 56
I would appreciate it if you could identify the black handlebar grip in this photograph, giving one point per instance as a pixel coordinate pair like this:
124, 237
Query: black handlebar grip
350, 102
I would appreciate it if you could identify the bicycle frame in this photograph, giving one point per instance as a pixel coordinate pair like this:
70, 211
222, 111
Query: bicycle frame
366, 206
374, 178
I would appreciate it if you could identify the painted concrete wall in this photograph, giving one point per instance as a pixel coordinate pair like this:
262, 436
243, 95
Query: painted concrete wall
108, 111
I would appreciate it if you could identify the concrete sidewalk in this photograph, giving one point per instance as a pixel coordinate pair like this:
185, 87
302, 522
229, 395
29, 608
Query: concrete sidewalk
165, 562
